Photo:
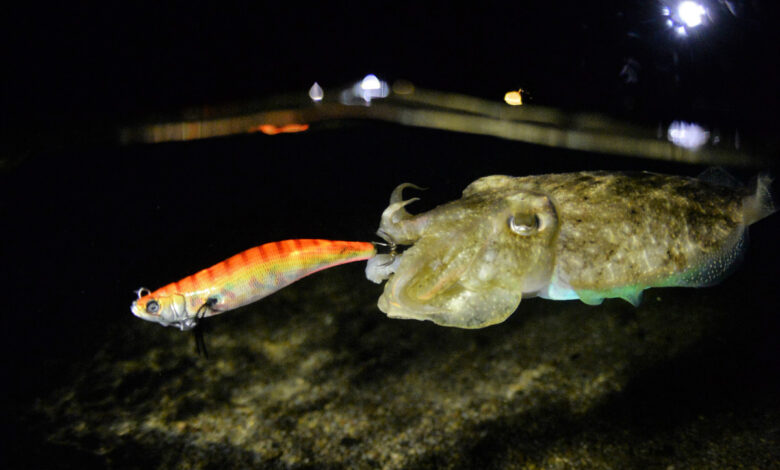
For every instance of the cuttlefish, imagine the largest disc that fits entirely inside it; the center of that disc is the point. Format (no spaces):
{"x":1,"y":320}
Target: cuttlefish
{"x":587,"y":236}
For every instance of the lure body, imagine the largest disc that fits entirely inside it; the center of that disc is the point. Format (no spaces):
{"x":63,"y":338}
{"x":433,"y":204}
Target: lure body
{"x":244,"y":278}
{"x":586,"y":236}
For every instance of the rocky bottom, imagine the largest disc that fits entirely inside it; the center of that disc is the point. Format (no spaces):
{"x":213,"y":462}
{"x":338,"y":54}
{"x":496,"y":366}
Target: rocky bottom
{"x":315,"y":376}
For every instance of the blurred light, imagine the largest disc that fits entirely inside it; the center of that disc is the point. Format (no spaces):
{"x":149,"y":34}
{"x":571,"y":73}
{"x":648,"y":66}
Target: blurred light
{"x":271,"y":129}
{"x":370,"y":82}
{"x":371,"y":87}
{"x":691,"y":13}
{"x":364,"y":91}
{"x":684,"y":16}
{"x":316,"y":93}
{"x":687,"y":134}
{"x":514,"y":98}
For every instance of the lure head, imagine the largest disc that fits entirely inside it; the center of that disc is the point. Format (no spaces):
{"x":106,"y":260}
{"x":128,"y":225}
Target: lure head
{"x":162,"y":308}
{"x":471,"y":260}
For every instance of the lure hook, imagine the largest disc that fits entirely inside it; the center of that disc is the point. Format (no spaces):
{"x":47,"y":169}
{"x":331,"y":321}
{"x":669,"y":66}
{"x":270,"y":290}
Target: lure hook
{"x":197,"y":326}
{"x":390,"y":243}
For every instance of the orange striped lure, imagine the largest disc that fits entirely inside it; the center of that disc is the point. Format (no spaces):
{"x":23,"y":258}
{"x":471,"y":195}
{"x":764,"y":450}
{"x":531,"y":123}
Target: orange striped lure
{"x":242,"y":279}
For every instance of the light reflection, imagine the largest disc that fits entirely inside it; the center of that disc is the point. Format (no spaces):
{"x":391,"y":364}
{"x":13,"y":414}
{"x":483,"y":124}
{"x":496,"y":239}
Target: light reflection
{"x":369,"y":88}
{"x":459,"y":113}
{"x":271,"y":129}
{"x":316,"y":93}
{"x":514,"y":98}
{"x":687,"y":134}
{"x":691,"y":13}
{"x":370,"y":82}
{"x":684,"y":16}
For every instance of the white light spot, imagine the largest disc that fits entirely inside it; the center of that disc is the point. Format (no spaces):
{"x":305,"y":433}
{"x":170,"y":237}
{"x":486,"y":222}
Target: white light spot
{"x":316,"y":93}
{"x":691,"y":13}
{"x":370,"y":82}
{"x":687,"y":135}
{"x":686,"y":15}
{"x":364,"y":91}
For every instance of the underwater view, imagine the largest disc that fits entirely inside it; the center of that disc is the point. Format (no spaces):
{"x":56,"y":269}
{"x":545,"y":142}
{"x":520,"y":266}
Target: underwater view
{"x":397,"y":237}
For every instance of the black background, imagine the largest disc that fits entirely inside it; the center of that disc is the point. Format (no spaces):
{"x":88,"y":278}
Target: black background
{"x":102,"y":61}
{"x":85,"y":221}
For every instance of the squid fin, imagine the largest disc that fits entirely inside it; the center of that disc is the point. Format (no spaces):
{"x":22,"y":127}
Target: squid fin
{"x":759,"y":203}
{"x":631,"y":294}
{"x":633,"y":297}
{"x":590,"y":297}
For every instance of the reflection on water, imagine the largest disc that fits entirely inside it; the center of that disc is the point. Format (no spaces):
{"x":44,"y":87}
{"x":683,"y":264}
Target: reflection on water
{"x":403,"y":103}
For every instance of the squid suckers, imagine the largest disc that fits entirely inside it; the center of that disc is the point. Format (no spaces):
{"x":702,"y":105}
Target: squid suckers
{"x":586,"y":236}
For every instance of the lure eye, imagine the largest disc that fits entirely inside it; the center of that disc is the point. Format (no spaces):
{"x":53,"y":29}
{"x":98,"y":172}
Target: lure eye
{"x":524,"y":224}
{"x":152,"y":306}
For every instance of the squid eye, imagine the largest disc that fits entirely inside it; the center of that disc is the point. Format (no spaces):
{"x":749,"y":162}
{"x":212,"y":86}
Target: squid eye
{"x":524,"y":224}
{"x":152,"y":306}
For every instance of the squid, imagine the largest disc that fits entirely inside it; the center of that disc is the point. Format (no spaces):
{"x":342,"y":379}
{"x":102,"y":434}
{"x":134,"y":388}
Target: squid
{"x":584,"y":236}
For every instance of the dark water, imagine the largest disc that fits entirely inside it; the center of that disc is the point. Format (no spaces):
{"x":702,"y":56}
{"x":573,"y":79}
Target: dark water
{"x":88,"y":235}
{"x":689,"y":378}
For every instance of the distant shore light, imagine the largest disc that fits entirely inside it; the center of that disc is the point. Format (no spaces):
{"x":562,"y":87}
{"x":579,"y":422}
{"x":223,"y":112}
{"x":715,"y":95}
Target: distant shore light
{"x":370,"y":82}
{"x":691,"y":13}
{"x":687,"y":134}
{"x":316,"y":93}
{"x":514,"y":98}
{"x":684,"y":16}
{"x":369,"y":88}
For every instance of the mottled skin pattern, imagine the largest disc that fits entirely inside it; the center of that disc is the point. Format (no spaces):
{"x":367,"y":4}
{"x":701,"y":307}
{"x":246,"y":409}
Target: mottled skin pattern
{"x":587,"y":236}
{"x":638,"y":228}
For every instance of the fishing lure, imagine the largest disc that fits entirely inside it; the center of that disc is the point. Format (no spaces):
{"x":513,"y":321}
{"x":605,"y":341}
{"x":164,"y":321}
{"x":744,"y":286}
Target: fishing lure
{"x":242,"y":279}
